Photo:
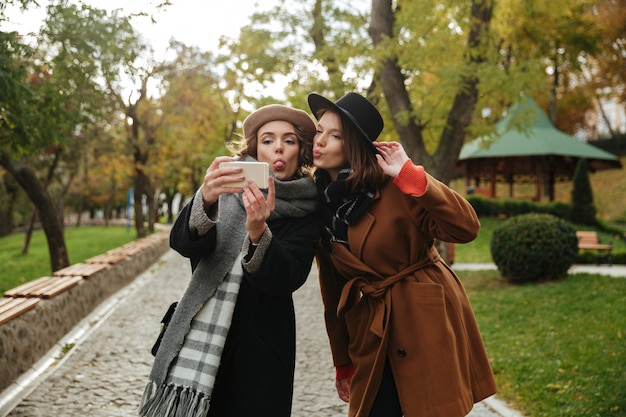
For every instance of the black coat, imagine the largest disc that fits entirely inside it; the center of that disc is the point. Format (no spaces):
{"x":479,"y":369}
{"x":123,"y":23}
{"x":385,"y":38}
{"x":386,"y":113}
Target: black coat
{"x":257,"y":367}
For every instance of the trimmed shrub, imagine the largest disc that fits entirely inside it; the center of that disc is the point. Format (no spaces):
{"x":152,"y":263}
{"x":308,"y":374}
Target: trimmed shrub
{"x":484,"y":207}
{"x":583,"y":209}
{"x":556,"y":208}
{"x":534,"y":247}
{"x":487,"y":207}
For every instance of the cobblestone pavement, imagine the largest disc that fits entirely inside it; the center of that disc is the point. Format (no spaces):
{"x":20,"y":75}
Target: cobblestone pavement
{"x":105,"y":371}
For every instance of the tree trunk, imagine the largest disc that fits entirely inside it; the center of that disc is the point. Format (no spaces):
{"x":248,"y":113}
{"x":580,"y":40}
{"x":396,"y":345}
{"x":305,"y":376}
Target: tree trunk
{"x":33,"y":216}
{"x":52,"y":226}
{"x":144,"y":192}
{"x":29,"y":232}
{"x":464,"y":104}
{"x":393,"y":84}
{"x":8,"y":194}
{"x":138,"y":206}
{"x":170,"y":209}
{"x":153,"y":208}
{"x":108,"y":208}
{"x":443,"y":163}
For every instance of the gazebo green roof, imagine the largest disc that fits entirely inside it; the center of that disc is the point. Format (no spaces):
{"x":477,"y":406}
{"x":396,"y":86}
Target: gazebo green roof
{"x":541,"y":139}
{"x":539,"y":153}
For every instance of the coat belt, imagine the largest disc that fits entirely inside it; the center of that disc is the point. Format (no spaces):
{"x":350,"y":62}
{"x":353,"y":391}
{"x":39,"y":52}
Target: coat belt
{"x":376,"y":291}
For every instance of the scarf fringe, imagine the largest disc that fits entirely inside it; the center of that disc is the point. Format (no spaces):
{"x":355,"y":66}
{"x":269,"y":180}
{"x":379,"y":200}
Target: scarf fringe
{"x":172,"y":401}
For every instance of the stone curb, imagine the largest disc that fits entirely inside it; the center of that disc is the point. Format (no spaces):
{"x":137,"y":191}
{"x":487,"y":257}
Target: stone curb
{"x":27,"y":338}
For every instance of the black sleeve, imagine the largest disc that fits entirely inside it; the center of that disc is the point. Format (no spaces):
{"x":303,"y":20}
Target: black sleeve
{"x":287,"y":262}
{"x":189,"y":244}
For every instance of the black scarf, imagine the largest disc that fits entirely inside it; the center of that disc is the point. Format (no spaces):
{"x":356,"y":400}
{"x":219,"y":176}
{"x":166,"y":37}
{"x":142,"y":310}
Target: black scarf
{"x":340,"y":207}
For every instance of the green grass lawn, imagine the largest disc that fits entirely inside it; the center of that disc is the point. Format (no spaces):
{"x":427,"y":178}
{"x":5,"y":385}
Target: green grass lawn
{"x":478,"y":249}
{"x":82,"y":243}
{"x":557,"y":349}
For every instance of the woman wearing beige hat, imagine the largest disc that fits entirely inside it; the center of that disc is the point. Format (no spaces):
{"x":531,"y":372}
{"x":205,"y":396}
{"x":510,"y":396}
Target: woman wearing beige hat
{"x":229,"y":348}
{"x":403,"y":337}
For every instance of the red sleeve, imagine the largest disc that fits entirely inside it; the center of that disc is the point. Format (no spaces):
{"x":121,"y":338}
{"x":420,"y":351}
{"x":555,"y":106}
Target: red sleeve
{"x":344,"y":372}
{"x":411,"y":179}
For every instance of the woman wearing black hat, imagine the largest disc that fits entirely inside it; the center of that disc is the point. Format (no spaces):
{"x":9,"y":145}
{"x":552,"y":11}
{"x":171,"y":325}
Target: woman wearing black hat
{"x":229,"y":349}
{"x":403,"y":337}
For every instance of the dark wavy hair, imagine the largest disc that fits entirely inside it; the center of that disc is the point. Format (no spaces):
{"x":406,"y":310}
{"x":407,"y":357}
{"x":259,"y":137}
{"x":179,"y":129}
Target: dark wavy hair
{"x":366,"y":173}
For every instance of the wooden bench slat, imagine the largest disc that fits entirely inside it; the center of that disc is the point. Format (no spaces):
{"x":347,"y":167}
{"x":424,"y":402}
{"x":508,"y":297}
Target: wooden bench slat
{"x":27,"y":287}
{"x":4,"y":301}
{"x":82,"y":269}
{"x":131,"y":249}
{"x":56,"y":286}
{"x":588,"y":240}
{"x":45,"y":287}
{"x":15,"y":307}
{"x":594,"y":246}
{"x":106,"y":258}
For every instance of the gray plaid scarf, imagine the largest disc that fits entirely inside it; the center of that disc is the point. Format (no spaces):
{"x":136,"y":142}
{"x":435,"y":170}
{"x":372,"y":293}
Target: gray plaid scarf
{"x":189,"y":383}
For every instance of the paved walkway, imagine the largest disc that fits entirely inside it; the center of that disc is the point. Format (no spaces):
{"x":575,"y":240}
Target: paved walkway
{"x":104,"y":373}
{"x":618,"y":271}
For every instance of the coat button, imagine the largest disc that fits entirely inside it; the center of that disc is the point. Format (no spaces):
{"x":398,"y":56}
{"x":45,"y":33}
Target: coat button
{"x":401,"y":353}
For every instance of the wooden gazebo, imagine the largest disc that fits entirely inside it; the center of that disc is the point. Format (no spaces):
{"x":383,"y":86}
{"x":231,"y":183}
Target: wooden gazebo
{"x":541,"y":154}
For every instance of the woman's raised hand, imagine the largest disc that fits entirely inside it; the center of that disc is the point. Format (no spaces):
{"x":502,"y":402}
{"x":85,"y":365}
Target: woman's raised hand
{"x":391,"y":157}
{"x":258,"y":208}
{"x":215,"y":177}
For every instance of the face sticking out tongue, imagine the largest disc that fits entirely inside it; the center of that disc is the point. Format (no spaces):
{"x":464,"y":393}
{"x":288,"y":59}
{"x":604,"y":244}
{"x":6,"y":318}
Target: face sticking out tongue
{"x":279,"y":165}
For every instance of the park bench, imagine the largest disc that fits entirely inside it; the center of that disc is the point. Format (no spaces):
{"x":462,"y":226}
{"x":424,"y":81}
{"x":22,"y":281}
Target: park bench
{"x":44,"y":287}
{"x":13,"y":307}
{"x":23,"y":298}
{"x":84,"y":270}
{"x":20,"y":299}
{"x":588,"y":240}
{"x":132,"y":248}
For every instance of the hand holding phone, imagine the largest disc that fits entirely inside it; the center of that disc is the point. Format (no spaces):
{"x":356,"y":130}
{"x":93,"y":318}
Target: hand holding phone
{"x":255,"y":171}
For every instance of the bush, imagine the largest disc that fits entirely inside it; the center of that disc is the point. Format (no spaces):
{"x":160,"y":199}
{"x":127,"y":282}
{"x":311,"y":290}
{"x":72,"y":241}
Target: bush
{"x":583,"y":209}
{"x":534,"y":247}
{"x":556,"y":208}
{"x":488,"y":207}
{"x":484,"y":207}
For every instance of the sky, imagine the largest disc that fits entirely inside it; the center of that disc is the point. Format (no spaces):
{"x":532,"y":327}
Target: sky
{"x":194,"y":22}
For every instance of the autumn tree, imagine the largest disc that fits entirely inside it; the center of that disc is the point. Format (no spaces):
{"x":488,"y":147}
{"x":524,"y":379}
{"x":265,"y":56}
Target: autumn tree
{"x":605,"y":72}
{"x":33,"y":124}
{"x":57,"y":94}
{"x":104,"y":177}
{"x":198,"y":122}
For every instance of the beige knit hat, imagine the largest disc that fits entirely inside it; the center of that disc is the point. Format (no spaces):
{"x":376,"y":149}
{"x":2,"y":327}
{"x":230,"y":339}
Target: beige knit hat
{"x":272,"y":112}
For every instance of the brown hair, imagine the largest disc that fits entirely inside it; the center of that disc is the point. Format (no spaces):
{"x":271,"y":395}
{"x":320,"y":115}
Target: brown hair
{"x":361,"y":157}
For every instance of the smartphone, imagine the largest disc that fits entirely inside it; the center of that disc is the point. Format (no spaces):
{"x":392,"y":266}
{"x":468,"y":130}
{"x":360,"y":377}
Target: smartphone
{"x":255,"y":171}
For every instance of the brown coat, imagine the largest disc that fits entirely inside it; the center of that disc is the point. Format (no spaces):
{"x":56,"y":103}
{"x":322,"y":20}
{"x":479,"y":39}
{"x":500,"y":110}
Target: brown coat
{"x":391,"y":297}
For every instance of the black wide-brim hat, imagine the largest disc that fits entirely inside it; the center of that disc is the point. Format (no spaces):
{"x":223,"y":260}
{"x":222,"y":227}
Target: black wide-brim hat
{"x":361,"y":112}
